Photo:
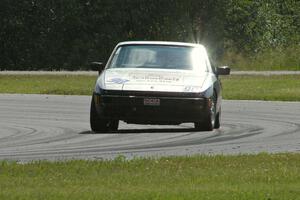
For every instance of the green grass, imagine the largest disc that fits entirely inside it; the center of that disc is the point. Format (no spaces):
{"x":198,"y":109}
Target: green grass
{"x":272,"y":88}
{"x":47,"y":84}
{"x":284,"y":88}
{"x":244,"y":177}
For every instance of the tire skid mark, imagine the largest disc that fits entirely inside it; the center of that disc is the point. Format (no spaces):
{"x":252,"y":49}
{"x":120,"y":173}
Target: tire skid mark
{"x":45,"y":130}
{"x":113,"y":148}
{"x":290,"y":127}
{"x":20,"y":132}
{"x":47,"y":140}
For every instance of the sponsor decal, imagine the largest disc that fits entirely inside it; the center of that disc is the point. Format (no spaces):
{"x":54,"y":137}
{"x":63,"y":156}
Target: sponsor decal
{"x":155,"y":78}
{"x":118,"y":80}
{"x":192,"y":89}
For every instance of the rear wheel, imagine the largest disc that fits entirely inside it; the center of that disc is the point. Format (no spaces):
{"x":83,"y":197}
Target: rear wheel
{"x":99,"y":124}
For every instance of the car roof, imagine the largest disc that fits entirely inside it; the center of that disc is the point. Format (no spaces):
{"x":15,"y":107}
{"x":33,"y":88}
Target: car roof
{"x":160,"y":43}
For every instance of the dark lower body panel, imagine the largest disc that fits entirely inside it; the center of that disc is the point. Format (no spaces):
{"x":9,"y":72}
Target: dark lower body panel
{"x":171,"y":110}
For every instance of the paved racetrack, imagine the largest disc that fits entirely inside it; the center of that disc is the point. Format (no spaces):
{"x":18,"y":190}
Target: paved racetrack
{"x":38,"y":127}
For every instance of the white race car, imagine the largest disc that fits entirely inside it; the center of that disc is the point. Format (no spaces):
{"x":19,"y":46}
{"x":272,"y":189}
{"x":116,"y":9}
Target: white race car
{"x":157,"y":83}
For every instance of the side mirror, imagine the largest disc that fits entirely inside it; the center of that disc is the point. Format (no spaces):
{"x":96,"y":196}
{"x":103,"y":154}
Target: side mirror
{"x":223,"y":70}
{"x":97,"y":66}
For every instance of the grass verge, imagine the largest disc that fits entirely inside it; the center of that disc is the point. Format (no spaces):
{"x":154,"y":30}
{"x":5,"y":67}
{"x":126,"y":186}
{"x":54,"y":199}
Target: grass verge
{"x":47,"y":84}
{"x":271,"y":88}
{"x":262,"y":176}
{"x":283,"y":88}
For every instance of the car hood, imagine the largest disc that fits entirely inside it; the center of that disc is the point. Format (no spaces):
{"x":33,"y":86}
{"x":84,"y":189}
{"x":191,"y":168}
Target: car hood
{"x":153,"y":80}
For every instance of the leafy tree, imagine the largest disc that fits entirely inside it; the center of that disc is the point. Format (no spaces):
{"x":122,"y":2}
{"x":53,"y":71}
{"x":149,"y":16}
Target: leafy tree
{"x":53,"y":34}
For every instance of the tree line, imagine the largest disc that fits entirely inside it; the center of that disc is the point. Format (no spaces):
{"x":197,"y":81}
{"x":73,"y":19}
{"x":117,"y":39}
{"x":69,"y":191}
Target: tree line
{"x":54,"y":34}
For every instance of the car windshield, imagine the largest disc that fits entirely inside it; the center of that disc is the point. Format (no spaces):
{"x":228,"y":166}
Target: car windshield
{"x":159,"y":56}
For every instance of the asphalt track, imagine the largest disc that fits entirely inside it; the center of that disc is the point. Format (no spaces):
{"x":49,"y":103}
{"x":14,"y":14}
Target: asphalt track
{"x":50,"y":127}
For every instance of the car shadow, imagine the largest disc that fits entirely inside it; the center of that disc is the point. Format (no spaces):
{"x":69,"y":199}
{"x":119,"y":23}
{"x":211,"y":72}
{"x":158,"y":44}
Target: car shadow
{"x":159,"y":130}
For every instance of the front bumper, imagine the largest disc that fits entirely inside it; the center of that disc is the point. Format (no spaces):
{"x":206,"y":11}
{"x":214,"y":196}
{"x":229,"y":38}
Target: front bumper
{"x":172,"y":109}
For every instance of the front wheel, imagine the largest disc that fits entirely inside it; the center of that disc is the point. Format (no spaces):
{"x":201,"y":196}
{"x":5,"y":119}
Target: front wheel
{"x":217,"y":120}
{"x":99,"y":124}
{"x":203,"y":126}
{"x":211,"y":121}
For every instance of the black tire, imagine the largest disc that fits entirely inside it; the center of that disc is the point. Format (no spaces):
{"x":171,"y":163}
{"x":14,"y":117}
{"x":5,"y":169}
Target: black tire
{"x":203,"y":126}
{"x":113,"y":125}
{"x":211,"y":120}
{"x":101,"y":125}
{"x":217,"y":120}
